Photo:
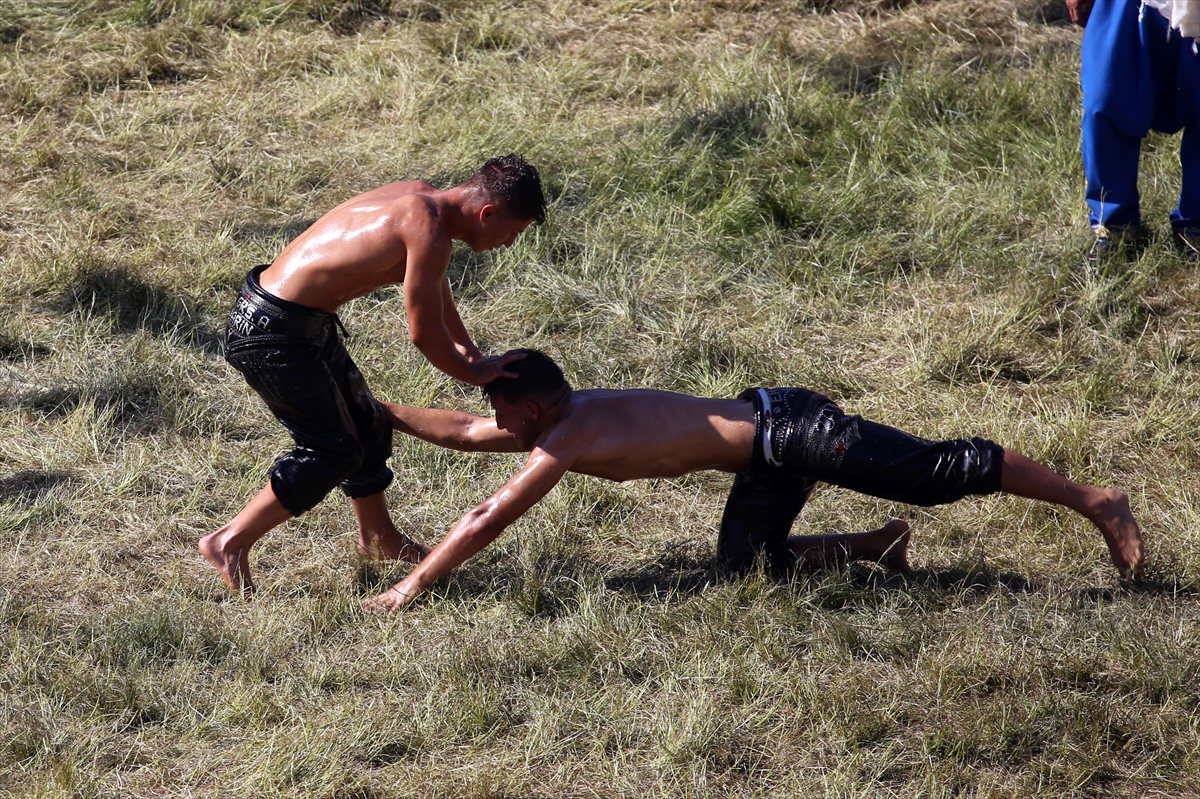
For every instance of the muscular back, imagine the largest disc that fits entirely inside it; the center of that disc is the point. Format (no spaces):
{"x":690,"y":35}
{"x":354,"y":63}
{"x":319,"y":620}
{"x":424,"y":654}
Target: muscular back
{"x":637,"y":434}
{"x":359,"y":246}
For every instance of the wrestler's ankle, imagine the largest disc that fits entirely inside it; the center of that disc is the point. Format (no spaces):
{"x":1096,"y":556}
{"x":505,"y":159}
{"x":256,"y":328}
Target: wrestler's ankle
{"x":1103,"y":502}
{"x":377,"y":533}
{"x":210,"y":545}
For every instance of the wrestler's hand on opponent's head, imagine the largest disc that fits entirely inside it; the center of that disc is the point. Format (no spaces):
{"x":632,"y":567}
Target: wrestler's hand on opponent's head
{"x":491,"y":368}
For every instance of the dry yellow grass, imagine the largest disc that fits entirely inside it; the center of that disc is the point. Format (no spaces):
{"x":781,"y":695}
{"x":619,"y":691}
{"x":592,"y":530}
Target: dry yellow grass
{"x":880,"y":200}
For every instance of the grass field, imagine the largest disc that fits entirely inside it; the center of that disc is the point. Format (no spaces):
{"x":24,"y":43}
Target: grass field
{"x":881,"y":200}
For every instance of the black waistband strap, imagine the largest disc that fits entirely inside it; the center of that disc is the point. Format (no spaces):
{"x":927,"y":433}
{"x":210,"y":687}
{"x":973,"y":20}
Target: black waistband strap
{"x":263,"y":311}
{"x":337,"y":320}
{"x":755,"y":397}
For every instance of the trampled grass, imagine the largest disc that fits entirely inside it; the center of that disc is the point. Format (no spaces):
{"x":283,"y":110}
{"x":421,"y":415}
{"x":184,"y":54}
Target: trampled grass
{"x":879,"y":200}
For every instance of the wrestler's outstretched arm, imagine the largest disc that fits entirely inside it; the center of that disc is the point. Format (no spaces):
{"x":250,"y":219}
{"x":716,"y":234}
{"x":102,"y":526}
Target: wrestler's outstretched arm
{"x":451,"y":429}
{"x":477,"y":529}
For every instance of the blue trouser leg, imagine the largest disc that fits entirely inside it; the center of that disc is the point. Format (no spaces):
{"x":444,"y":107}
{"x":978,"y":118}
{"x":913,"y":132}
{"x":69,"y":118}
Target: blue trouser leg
{"x":1110,"y":162}
{"x":1187,"y":110}
{"x":1187,"y":215}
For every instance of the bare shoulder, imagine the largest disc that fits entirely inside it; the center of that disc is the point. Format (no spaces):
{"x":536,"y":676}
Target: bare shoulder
{"x":415,"y":207}
{"x":569,"y":437}
{"x":578,"y":431}
{"x":412,"y":187}
{"x":400,"y":188}
{"x":417,"y":219}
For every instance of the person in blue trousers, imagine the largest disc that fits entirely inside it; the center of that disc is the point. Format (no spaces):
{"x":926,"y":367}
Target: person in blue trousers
{"x":1138,"y":74}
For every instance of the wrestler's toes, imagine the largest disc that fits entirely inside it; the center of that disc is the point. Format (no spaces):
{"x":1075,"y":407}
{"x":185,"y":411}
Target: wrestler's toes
{"x":1136,"y":567}
{"x":377,"y":606}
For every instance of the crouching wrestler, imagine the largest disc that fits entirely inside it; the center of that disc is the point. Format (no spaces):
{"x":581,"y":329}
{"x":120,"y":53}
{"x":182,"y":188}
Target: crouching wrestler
{"x":778,"y":442}
{"x":285,"y":338}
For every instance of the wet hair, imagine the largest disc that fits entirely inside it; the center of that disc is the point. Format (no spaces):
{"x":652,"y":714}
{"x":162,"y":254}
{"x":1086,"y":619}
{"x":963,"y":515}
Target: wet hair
{"x":537,"y":375}
{"x":515,"y":184}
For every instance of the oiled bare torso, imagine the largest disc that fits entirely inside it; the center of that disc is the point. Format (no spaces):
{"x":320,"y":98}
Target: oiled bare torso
{"x":638,"y":434}
{"x":357,"y":247}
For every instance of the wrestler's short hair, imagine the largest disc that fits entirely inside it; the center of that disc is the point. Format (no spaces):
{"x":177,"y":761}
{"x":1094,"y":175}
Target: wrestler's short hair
{"x":537,"y":375}
{"x":515,"y":183}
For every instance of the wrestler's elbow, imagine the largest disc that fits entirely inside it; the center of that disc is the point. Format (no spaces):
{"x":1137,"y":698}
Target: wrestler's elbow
{"x":480,"y":527}
{"x":426,"y":329}
{"x":452,"y":432}
{"x":478,"y":435}
{"x":401,"y":419}
{"x":420,"y":339}
{"x":464,"y":443}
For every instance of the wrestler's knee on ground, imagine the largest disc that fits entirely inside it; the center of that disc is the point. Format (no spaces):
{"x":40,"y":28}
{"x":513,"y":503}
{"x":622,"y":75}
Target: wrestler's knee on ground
{"x":758,"y":517}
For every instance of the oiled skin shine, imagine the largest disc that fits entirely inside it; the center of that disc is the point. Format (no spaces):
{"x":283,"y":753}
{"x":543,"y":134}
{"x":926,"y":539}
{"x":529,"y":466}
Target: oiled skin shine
{"x":641,"y":434}
{"x":613,"y":434}
{"x":357,"y":247}
{"x":635,"y":434}
{"x":403,"y":232}
{"x":399,"y":233}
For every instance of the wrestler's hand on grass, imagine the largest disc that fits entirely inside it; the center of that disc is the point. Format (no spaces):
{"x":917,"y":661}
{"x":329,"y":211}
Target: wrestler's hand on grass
{"x":489,"y":369}
{"x":387,"y":603}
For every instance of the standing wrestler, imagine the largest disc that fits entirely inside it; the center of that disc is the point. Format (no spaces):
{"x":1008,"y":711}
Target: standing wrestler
{"x":283,"y":337}
{"x":780,"y":442}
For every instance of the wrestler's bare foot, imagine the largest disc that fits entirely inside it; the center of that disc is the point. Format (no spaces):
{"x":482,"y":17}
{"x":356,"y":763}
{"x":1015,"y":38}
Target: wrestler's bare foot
{"x":887,"y":546}
{"x":378,"y":538}
{"x":390,"y":545}
{"x":1110,"y":512}
{"x":893,"y":542}
{"x":233,"y":566}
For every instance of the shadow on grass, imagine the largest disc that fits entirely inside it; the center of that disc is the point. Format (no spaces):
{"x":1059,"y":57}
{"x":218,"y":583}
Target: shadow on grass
{"x":857,"y":76}
{"x":30,"y":486}
{"x":728,"y":129}
{"x":681,"y":572}
{"x":978,"y":364}
{"x":14,"y":349}
{"x":1051,"y":12}
{"x":130,"y":304}
{"x":970,"y":581}
{"x":389,"y":754}
{"x":552,"y":587}
{"x":139,"y":401}
{"x":471,"y":580}
{"x":1165,"y":586}
{"x":678,"y":571}
{"x":688,"y":572}
{"x":978,"y":583}
{"x":685,"y":572}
